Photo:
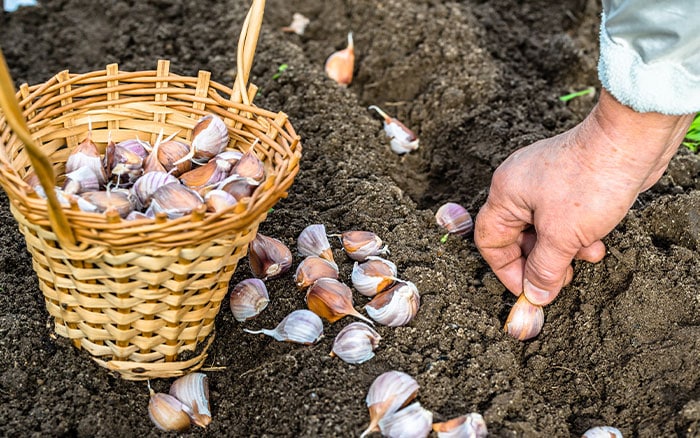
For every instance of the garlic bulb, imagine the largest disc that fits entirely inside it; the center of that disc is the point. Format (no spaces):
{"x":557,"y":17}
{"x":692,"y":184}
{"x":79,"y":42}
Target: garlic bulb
{"x":356,"y":343}
{"x":167,"y":412}
{"x":339,"y":66}
{"x":248,"y":298}
{"x":525,"y":319}
{"x":312,"y":268}
{"x":331,"y":300}
{"x":396,"y":306}
{"x":193,"y":391}
{"x":373,"y":276}
{"x":413,"y":421}
{"x":454,"y":218}
{"x":387,"y":394}
{"x":268,"y":257}
{"x":301,"y":326}
{"x":602,"y":432}
{"x":361,"y":244}
{"x":313,"y":241}
{"x":465,"y":426}
{"x":403,"y":140}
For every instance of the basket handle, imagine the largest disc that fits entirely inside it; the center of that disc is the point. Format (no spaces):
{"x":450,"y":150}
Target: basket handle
{"x":41,"y":164}
{"x":247,"y":43}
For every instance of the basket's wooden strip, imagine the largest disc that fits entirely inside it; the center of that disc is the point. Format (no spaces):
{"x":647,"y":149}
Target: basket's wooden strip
{"x":112,"y":94}
{"x":66,"y":100}
{"x":159,"y":117}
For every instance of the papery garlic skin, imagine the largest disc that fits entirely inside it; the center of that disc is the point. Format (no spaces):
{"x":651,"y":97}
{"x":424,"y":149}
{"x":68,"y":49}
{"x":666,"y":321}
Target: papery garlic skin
{"x":301,"y":326}
{"x":362,"y":244}
{"x":312,"y":268}
{"x":356,"y":343}
{"x":248,"y":298}
{"x":168,"y":413}
{"x":193,"y":391}
{"x":413,"y":421}
{"x":340,"y":65}
{"x":465,"y":426}
{"x":525,"y":319}
{"x":81,"y":180}
{"x":602,"y":432}
{"x":454,"y":218}
{"x":313,"y":241}
{"x":373,"y":276}
{"x":387,"y":394}
{"x":268,"y":257}
{"x":396,"y":306}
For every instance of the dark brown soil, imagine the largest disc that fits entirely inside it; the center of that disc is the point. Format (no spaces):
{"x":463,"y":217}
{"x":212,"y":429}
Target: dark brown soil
{"x":476,"y":80}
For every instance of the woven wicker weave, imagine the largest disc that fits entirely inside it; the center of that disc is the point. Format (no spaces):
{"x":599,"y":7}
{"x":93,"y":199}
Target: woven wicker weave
{"x":140,"y":296}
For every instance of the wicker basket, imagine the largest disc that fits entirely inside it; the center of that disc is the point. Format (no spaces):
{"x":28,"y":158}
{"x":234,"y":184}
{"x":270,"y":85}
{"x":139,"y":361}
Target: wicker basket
{"x":140,"y":296}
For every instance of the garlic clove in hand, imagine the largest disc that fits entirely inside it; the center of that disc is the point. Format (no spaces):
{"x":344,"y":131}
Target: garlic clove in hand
{"x":248,"y":298}
{"x":268,"y":257}
{"x":331,"y":300}
{"x":403,"y":140}
{"x":373,"y":276}
{"x":340,"y":65}
{"x":361,"y":244}
{"x":525,"y":319}
{"x":413,"y":421}
{"x":193,"y":391}
{"x":356,"y":343}
{"x":312,"y":268}
{"x":465,"y":426}
{"x":387,"y":394}
{"x":396,"y":306}
{"x":301,"y":326}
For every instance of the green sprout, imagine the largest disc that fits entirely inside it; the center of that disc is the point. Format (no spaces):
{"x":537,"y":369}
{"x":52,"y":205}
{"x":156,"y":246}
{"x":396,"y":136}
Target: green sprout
{"x":692,"y":137}
{"x":280,"y":70}
{"x":443,"y":239}
{"x":568,"y":97}
{"x":270,"y":210}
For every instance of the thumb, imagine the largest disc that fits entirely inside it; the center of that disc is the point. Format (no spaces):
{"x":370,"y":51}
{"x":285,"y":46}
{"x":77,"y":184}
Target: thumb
{"x":545,"y":272}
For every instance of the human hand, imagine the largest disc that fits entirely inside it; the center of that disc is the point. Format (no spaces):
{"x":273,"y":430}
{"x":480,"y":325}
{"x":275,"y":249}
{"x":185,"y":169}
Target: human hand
{"x":555,"y":200}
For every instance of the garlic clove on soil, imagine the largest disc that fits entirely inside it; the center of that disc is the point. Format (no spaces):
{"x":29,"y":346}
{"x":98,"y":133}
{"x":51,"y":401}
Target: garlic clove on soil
{"x":193,"y":391}
{"x":361,"y":244}
{"x":340,"y":65}
{"x":387,"y":394}
{"x":313,"y":241}
{"x":268,"y":257}
{"x":356,"y":343}
{"x":465,"y":426}
{"x":454,"y":218}
{"x":248,"y":298}
{"x":332,"y":300}
{"x":301,"y":326}
{"x":396,"y":306}
{"x":168,"y":413}
{"x":312,"y":268}
{"x":373,"y":276}
{"x":602,"y":432}
{"x":413,"y":421}
{"x":402,"y":139}
{"x":525,"y":320}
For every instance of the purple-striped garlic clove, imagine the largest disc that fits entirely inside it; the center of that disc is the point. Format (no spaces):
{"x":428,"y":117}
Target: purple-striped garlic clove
{"x":312,"y":268}
{"x":250,"y":166}
{"x":362,"y":244}
{"x":219,"y":200}
{"x":387,"y":394}
{"x":118,"y":200}
{"x":396,"y":306}
{"x":465,"y":426}
{"x":301,"y":326}
{"x":168,"y":413}
{"x":209,"y":138}
{"x":454,"y":218}
{"x":138,"y":147}
{"x":81,"y":180}
{"x":268,"y":257}
{"x":209,"y":174}
{"x":373,"y":276}
{"x":412,"y":421}
{"x":403,"y":140}
{"x":238,"y":186}
{"x":356,"y":343}
{"x":332,"y":300}
{"x":248,"y":299}
{"x":313,"y":241}
{"x":340,"y":65}
{"x":525,"y":320}
{"x":86,"y":154}
{"x":175,"y":200}
{"x":193,"y":391}
{"x":602,"y":432}
{"x":144,"y":187}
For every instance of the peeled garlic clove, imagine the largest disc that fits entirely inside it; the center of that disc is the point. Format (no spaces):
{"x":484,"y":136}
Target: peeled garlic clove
{"x":403,"y":140}
{"x":211,"y":173}
{"x":268,"y":257}
{"x":525,"y":319}
{"x":332,"y":300}
{"x":168,"y":413}
{"x":83,"y":179}
{"x":301,"y":326}
{"x":361,"y":244}
{"x":387,"y":394}
{"x":193,"y":391}
{"x":209,"y":138}
{"x":339,"y":65}
{"x":219,"y":200}
{"x":465,"y":426}
{"x":312,"y":268}
{"x":396,"y":306}
{"x":413,"y":421}
{"x":116,"y":199}
{"x":602,"y":432}
{"x":454,"y":218}
{"x":298,"y":24}
{"x":86,"y":154}
{"x":175,"y":200}
{"x":356,"y":343}
{"x":373,"y":276}
{"x":144,"y":187}
{"x":250,"y":166}
{"x":313,"y":241}
{"x":248,"y":299}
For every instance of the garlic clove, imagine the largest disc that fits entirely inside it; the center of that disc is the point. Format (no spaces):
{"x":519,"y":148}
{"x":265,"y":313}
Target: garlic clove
{"x":209,"y":138}
{"x":361,"y":244}
{"x":116,"y":199}
{"x":136,"y":215}
{"x":312,"y":268}
{"x":301,"y":326}
{"x":125,"y":166}
{"x":525,"y":319}
{"x":413,"y":421}
{"x":373,"y":276}
{"x":136,"y":146}
{"x":219,"y":200}
{"x":170,"y":153}
{"x":396,"y":306}
{"x":339,"y":66}
{"x":298,"y":24}
{"x":356,"y":343}
{"x":168,"y":413}
{"x":193,"y":391}
{"x":268,"y":257}
{"x":387,"y":394}
{"x":465,"y":426}
{"x":454,"y":218}
{"x":238,"y":186}
{"x":175,"y":200}
{"x":232,"y":156}
{"x":403,"y":140}
{"x":86,"y":154}
{"x":83,"y":179}
{"x":332,"y":300}
{"x":602,"y":432}
{"x":250,"y":166}
{"x":313,"y":241}
{"x":248,"y":299}
{"x":144,"y":187}
{"x":210,"y":173}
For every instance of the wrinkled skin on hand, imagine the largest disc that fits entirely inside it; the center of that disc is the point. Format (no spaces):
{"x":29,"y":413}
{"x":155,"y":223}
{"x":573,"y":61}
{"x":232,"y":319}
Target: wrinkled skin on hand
{"x":555,"y":200}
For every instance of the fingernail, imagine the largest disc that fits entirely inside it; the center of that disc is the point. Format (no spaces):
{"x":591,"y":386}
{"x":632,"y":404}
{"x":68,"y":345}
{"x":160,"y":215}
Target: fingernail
{"x":536,"y":295}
